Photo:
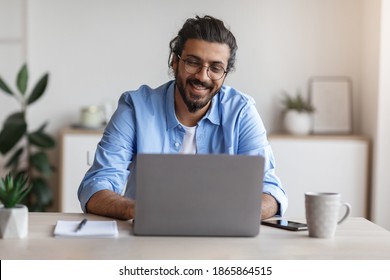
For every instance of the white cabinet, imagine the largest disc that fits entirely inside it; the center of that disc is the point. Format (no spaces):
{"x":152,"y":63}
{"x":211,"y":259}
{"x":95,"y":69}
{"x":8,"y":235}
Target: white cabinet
{"x":78,"y":150}
{"x":323,"y":164}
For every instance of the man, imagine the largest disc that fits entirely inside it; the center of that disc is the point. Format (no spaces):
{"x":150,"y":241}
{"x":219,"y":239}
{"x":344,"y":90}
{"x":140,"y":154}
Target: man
{"x":195,"y":113}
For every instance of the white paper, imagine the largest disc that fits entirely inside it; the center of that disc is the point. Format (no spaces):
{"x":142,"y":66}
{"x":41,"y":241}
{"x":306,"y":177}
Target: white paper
{"x":90,"y":229}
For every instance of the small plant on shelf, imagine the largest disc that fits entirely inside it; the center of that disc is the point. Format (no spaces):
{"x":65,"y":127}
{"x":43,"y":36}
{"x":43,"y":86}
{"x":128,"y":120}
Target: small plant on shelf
{"x":297,"y":117}
{"x":297,"y":103}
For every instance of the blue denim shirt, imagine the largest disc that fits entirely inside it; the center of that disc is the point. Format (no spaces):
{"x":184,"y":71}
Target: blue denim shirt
{"x":145,"y":122}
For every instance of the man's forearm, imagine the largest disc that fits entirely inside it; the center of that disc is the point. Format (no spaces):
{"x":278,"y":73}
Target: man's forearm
{"x":269,"y":206}
{"x":108,"y":203}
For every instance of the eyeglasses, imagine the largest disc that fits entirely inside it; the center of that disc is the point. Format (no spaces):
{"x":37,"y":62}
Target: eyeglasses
{"x":193,"y":66}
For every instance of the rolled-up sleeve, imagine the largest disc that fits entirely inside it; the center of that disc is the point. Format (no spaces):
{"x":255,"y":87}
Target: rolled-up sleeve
{"x":253,"y":141}
{"x":114,"y":154}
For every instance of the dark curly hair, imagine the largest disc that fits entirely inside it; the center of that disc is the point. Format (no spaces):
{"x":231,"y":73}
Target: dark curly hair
{"x":205,"y":28}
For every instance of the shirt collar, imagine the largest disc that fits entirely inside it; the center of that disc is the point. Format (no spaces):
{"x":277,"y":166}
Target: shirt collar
{"x":213,"y":113}
{"x":172,"y":121}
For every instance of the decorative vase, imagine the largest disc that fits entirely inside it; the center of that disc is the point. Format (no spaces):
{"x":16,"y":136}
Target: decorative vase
{"x":14,"y":222}
{"x":296,"y":122}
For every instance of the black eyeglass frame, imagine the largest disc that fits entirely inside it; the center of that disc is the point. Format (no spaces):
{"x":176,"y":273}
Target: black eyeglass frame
{"x":200,"y":69}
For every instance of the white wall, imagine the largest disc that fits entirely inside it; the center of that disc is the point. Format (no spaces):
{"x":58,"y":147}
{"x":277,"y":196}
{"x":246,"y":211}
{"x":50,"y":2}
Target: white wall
{"x":366,"y":117}
{"x":12,"y":47}
{"x":12,"y":52}
{"x":96,"y":49}
{"x":381,"y":207}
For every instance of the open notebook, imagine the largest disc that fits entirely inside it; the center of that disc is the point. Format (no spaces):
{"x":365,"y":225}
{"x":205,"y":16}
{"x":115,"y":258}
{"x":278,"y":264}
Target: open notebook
{"x":90,"y":229}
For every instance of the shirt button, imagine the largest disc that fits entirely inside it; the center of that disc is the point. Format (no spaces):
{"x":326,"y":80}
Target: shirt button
{"x":177,"y":144}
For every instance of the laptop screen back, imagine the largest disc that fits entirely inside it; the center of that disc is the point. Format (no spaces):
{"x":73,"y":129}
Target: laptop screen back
{"x":198,"y":195}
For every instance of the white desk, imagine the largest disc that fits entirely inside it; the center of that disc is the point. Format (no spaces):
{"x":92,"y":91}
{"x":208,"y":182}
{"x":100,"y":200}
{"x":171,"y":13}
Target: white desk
{"x":357,"y":238}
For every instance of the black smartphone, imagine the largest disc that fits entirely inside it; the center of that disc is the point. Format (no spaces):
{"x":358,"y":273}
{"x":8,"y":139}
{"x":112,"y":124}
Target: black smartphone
{"x":285,"y":224}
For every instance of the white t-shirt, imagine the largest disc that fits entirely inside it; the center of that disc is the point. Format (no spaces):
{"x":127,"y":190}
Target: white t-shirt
{"x":189,"y":140}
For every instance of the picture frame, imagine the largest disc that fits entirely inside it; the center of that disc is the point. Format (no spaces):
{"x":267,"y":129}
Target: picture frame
{"x":331,"y":98}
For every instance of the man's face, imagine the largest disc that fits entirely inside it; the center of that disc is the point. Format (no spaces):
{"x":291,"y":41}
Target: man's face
{"x":198,"y":89}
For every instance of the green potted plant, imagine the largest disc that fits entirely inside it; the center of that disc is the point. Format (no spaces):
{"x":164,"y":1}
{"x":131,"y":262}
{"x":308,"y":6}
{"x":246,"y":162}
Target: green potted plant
{"x":26,"y":149}
{"x":297,"y":114}
{"x":13,"y":214}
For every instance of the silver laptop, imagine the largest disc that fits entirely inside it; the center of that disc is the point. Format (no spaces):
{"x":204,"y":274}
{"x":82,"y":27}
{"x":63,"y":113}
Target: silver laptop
{"x":198,"y":195}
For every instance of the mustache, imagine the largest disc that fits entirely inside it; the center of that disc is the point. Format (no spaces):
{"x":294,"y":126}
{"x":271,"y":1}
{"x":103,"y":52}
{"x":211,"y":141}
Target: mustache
{"x":196,"y":82}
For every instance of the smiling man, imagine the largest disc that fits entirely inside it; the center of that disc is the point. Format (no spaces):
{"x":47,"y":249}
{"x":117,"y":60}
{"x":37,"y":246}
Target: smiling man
{"x":195,"y":113}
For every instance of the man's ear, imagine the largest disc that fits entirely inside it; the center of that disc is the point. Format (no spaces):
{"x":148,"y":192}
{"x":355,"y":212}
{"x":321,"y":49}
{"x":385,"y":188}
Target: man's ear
{"x":174,"y":62}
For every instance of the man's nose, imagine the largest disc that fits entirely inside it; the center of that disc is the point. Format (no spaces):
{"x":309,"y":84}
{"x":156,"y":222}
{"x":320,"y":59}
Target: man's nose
{"x":202,"y":75}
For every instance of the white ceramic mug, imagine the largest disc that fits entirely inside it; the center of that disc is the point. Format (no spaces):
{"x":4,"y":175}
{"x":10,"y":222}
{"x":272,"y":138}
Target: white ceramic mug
{"x":322,"y":213}
{"x":91,"y":117}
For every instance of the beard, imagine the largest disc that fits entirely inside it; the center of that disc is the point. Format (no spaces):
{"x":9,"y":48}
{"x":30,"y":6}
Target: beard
{"x":195,"y":102}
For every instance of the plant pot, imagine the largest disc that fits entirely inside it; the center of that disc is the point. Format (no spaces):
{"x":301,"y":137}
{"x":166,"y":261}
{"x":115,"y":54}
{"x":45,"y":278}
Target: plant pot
{"x":296,"y":122}
{"x":14,"y":222}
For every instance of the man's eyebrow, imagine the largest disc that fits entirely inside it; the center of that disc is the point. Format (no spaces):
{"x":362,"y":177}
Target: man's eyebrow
{"x":211,"y":62}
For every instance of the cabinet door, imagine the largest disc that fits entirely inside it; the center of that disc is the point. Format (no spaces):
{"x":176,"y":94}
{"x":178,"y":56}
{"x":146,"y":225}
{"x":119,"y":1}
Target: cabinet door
{"x":322,"y":165}
{"x":77,"y":156}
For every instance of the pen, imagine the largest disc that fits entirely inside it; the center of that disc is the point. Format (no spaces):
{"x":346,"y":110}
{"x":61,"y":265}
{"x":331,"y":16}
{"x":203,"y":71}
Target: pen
{"x":81,"y":225}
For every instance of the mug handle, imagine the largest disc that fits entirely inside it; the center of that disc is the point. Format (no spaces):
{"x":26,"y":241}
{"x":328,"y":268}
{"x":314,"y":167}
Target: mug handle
{"x":347,"y":212}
